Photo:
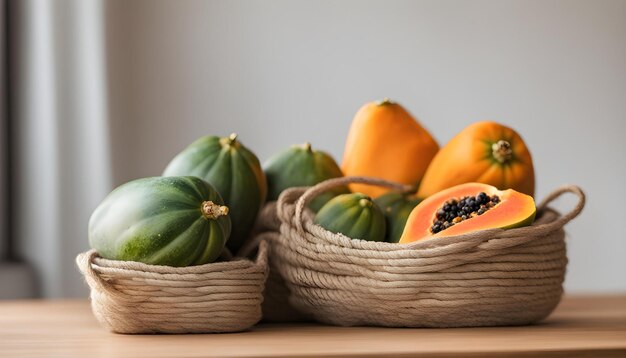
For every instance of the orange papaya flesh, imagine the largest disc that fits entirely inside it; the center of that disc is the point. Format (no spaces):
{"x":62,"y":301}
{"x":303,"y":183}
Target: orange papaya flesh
{"x":466,"y":208}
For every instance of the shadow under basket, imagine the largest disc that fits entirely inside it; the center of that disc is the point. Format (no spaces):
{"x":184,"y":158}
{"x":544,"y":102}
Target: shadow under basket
{"x":485,"y":278}
{"x":132,"y":297}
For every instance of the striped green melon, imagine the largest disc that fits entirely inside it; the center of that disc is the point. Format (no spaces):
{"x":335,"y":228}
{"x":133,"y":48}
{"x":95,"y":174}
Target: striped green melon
{"x":236,"y":174}
{"x":300,"y":165}
{"x":173,"y":221}
{"x":353,"y":215}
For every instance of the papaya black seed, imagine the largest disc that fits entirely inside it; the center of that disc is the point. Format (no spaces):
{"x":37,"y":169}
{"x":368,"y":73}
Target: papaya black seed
{"x":456,"y":210}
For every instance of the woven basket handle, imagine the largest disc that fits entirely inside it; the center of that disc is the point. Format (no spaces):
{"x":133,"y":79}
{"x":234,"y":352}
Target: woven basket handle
{"x":326,"y":185}
{"x":545,"y":229}
{"x":250,"y":245}
{"x":262,"y":252}
{"x":84,"y":262}
{"x":567,"y":217}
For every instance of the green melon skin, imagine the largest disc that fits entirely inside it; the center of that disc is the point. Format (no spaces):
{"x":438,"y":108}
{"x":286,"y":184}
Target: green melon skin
{"x":236,"y":174}
{"x":159,"y":221}
{"x":300,"y":165}
{"x":354,"y":215}
{"x":397,"y":208}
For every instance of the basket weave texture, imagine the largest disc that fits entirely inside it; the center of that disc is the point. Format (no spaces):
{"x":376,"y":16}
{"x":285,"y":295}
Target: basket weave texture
{"x":485,"y":278}
{"x":276,"y":305}
{"x":132,"y":297}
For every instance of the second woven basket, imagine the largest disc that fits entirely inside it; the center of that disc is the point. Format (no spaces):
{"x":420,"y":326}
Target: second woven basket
{"x":485,"y":278}
{"x":132,"y":297}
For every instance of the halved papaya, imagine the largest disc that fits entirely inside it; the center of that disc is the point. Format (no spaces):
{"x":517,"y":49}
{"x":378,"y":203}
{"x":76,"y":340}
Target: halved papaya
{"x":468,"y":207}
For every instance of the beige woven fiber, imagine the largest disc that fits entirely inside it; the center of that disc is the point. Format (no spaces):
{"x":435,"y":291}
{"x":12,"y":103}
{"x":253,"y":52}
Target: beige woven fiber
{"x":276,"y":306}
{"x":132,"y":297}
{"x":485,"y":278}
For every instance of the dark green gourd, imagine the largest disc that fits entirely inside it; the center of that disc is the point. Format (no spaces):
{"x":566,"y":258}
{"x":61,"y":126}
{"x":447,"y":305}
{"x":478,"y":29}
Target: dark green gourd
{"x":236,"y":174}
{"x":353,"y":215}
{"x":300,"y":165}
{"x":397,"y":207}
{"x":173,"y":221}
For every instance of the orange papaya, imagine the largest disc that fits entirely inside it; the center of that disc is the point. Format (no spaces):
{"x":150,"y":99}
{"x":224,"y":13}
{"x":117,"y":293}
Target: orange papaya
{"x":466,"y":208}
{"x":484,"y":152}
{"x":386,"y":142}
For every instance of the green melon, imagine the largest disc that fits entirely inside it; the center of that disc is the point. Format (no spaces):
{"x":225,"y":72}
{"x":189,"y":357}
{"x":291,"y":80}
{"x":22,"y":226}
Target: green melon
{"x":236,"y":174}
{"x":173,"y":221}
{"x":300,"y":165}
{"x":353,"y":215}
{"x":397,"y":208}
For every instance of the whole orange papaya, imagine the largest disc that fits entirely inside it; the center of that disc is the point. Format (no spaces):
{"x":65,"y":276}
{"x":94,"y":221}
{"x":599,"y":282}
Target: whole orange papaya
{"x":484,"y":152}
{"x":386,"y":142}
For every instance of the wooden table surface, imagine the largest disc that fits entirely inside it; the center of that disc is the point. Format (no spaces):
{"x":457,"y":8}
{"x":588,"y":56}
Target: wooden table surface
{"x":592,"y":326}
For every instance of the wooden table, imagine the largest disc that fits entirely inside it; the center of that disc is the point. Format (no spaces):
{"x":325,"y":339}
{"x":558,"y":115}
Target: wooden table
{"x":581,"y":326}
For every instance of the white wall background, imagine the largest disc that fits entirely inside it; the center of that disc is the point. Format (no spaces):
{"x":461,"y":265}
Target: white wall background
{"x":285,"y":72}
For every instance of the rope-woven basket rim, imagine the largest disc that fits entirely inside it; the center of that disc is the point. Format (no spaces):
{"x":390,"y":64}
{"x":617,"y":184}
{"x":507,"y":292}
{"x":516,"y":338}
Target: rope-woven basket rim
{"x":301,"y":219}
{"x":235,"y":263}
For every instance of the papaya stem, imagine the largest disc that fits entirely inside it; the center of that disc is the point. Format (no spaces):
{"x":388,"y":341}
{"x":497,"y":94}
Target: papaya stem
{"x":384,"y":102}
{"x":307,"y":146}
{"x":502,"y":151}
{"x":210,"y":210}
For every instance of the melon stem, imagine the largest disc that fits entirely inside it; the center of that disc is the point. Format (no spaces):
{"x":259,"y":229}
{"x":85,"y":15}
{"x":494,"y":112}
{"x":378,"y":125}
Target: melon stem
{"x":230,"y":141}
{"x":210,"y":210}
{"x":307,"y":146}
{"x":502,"y":151}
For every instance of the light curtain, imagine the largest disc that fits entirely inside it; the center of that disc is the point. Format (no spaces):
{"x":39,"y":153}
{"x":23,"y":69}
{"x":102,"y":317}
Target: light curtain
{"x":60,"y":134}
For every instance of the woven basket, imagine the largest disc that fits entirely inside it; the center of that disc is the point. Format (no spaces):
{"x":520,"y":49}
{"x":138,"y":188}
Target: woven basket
{"x":276,"y":306}
{"x":132,"y":297}
{"x":486,"y":278}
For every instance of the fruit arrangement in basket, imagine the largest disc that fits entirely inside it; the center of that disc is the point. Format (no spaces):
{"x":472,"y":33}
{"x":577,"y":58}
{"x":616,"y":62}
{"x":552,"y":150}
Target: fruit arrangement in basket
{"x":210,"y":193}
{"x":394,"y":187}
